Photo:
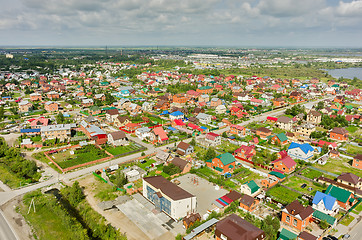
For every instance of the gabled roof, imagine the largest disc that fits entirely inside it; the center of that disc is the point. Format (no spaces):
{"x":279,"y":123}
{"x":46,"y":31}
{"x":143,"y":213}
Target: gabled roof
{"x":247,"y":200}
{"x":177,"y":113}
{"x":287,"y":235}
{"x":226,"y":158}
{"x":349,"y":177}
{"x":282,"y":137}
{"x":277,"y":174}
{"x":328,"y":200}
{"x":322,"y":216}
{"x":253,"y":186}
{"x":296,"y":208}
{"x":287,"y":161}
{"x":307,"y":236}
{"x":339,"y":193}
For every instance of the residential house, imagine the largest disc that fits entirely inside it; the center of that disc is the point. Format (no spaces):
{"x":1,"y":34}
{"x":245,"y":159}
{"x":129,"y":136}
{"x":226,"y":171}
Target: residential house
{"x":51,"y":106}
{"x":245,"y":152}
{"x":190,"y":220}
{"x":285,"y":164}
{"x":59,"y":131}
{"x":357,"y":161}
{"x":204,"y":118}
{"x":25,"y":106}
{"x":305,"y":129}
{"x":38,"y":122}
{"x":168,"y":197}
{"x":314,"y":117}
{"x":35,"y":97}
{"x":212,"y":139}
{"x":223,"y":202}
{"x":285,"y":123}
{"x":220,"y":109}
{"x":344,"y":198}
{"x":184,"y":148}
{"x":339,"y":134}
{"x":179,"y":99}
{"x":183,"y":165}
{"x":87,"y":102}
{"x":205,"y":90}
{"x":306,"y":236}
{"x":100,"y":97}
{"x":176,"y":115}
{"x":204,"y":98}
{"x":94,"y":110}
{"x":134,"y":109}
{"x":224,"y":163}
{"x":121,"y":121}
{"x":278,"y":102}
{"x":93,"y":132}
{"x":214,"y":102}
{"x":301,"y":151}
{"x":263,"y":132}
{"x":162,"y":105}
{"x":111,"y":115}
{"x":131,"y":127}
{"x":350,"y":179}
{"x":325,"y":203}
{"x":296,"y":215}
{"x":237,"y":130}
{"x":234,"y":227}
{"x":272,"y":179}
{"x":143,"y":133}
{"x":297,"y":96}
{"x":53,"y":95}
{"x":117,"y":138}
{"x":158,"y":135}
{"x":147,"y":106}
{"x":250,"y":188}
{"x":248,"y":203}
{"x":280,"y":139}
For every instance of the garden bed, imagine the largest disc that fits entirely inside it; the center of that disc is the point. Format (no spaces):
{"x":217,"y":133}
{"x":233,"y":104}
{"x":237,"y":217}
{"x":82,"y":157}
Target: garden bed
{"x":282,"y":195}
{"x":295,"y":182}
{"x":122,"y":149}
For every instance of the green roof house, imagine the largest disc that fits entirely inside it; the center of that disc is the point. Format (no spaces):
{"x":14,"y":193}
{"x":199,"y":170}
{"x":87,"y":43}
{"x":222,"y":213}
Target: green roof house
{"x":249,"y":188}
{"x":343,"y":196}
{"x":287,"y":235}
{"x":224,"y":163}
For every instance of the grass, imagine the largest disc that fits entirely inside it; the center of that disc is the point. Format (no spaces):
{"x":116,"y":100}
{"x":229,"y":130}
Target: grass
{"x":56,"y":227}
{"x":282,"y":194}
{"x":347,"y":220}
{"x":10,"y":178}
{"x":358,"y":209}
{"x":311,"y":173}
{"x":352,"y":129}
{"x":296,"y":183}
{"x":339,"y":166}
{"x":103,"y":191}
{"x":146,"y":164}
{"x":226,"y":146}
{"x":121,"y":149}
{"x":351,"y":149}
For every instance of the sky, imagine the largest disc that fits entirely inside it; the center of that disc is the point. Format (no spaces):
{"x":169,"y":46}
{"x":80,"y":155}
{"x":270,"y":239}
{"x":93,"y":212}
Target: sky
{"x":239,"y":23}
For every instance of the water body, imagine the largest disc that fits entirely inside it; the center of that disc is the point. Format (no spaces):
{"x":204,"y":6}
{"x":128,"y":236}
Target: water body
{"x":346,"y":73}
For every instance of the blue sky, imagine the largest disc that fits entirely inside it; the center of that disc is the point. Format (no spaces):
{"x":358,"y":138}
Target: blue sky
{"x":242,"y":23}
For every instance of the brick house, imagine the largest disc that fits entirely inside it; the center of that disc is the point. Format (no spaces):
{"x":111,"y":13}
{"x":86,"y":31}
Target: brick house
{"x":350,"y":179}
{"x":121,"y":121}
{"x":190,"y":220}
{"x":205,"y":90}
{"x":179,"y":99}
{"x":339,"y":134}
{"x":184,"y":148}
{"x":212,"y":139}
{"x":278,"y":102}
{"x":285,"y":164}
{"x":237,"y":130}
{"x":222,"y":164}
{"x":296,"y":215}
{"x":111,"y":115}
{"x":215,"y":102}
{"x":245,"y":152}
{"x":250,"y":188}
{"x":35,"y":97}
{"x":284,"y":122}
{"x":183,"y":165}
{"x":280,"y":139}
{"x":263,"y":132}
{"x":25,"y":106}
{"x":344,"y":198}
{"x":272,"y":179}
{"x":314,"y":117}
{"x":53,"y":95}
{"x":248,"y":203}
{"x":51,"y":106}
{"x":357,"y":161}
{"x":117,"y":138}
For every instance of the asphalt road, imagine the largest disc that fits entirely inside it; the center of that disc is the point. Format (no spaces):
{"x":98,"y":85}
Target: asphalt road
{"x":5,"y":231}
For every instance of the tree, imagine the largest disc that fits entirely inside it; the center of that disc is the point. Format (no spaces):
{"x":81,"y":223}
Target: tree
{"x":224,"y":135}
{"x":323,"y":224}
{"x":60,"y":118}
{"x":74,"y":194}
{"x":171,"y":169}
{"x":120,"y":179}
{"x":210,"y":154}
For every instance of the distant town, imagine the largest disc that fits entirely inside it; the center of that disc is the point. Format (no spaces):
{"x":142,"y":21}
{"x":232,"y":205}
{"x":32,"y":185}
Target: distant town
{"x":180,"y":143}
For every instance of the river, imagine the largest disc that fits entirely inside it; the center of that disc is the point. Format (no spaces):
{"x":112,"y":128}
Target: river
{"x":346,"y":73}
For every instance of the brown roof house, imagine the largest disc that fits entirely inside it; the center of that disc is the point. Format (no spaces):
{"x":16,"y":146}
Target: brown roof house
{"x":121,"y":121}
{"x":184,"y":148}
{"x":117,"y":138}
{"x":234,"y":227}
{"x":168,"y":197}
{"x":248,"y":203}
{"x":314,"y":117}
{"x":350,"y":179}
{"x":339,"y":134}
{"x":191,"y":219}
{"x":296,"y":215}
{"x":357,"y":161}
{"x":284,"y":122}
{"x":263,"y":132}
{"x":183,"y":165}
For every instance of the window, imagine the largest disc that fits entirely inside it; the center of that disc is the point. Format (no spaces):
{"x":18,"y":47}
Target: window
{"x":287,"y":219}
{"x":295,"y":222}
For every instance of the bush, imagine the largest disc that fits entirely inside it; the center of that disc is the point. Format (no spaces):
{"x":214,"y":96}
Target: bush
{"x":171,"y":169}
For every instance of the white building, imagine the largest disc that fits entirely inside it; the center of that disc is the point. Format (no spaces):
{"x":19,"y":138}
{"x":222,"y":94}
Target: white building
{"x":168,"y":197}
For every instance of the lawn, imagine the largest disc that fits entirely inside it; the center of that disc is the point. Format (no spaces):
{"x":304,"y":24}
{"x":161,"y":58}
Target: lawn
{"x":347,"y":220}
{"x":282,"y":194}
{"x":83,"y":155}
{"x":358,"y":209}
{"x":352,"y":129}
{"x":147,"y":164}
{"x":353,"y":150}
{"x":103,"y":191}
{"x":121,"y":149}
{"x":339,"y":166}
{"x":296,"y":183}
{"x":246,"y":175}
{"x":10,"y":178}
{"x":311,"y":173}
{"x":226,"y":146}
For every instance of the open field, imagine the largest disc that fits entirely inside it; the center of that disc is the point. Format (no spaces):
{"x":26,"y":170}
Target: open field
{"x":10,"y":178}
{"x":121,"y":149}
{"x":296,"y":183}
{"x":339,"y":166}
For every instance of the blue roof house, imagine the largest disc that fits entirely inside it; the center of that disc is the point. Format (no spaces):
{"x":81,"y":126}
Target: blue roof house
{"x":176,"y":115}
{"x":301,"y":151}
{"x":325,"y":203}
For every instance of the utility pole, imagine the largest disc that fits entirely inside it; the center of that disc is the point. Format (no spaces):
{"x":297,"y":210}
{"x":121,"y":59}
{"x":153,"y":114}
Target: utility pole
{"x":31,"y":203}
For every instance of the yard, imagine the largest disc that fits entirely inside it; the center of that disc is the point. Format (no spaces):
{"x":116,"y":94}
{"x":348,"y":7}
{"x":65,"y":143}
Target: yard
{"x":226,"y":146}
{"x":310,"y":173}
{"x":296,"y":183}
{"x":347,"y":220}
{"x":147,"y":164}
{"x":122,"y":149}
{"x":282,"y":194}
{"x":339,"y":166}
{"x":353,"y":150}
{"x":83,"y":155}
{"x":246,"y":175}
{"x":10,"y":178}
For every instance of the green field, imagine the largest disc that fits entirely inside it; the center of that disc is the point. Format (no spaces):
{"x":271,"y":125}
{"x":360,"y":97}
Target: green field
{"x":121,"y":149}
{"x":351,"y":149}
{"x":10,"y":178}
{"x":347,"y":220}
{"x":282,"y":194}
{"x":339,"y":166}
{"x":311,"y":173}
{"x":296,"y":183}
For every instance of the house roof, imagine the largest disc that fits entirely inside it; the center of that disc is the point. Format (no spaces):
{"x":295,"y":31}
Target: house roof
{"x":263,"y":129}
{"x":236,"y":228}
{"x":282,"y":137}
{"x":296,"y":208}
{"x":287,"y":235}
{"x":339,"y":130}
{"x":176,"y":114}
{"x":179,"y":162}
{"x":358,"y":157}
{"x":168,"y":188}
{"x":349,"y":177}
{"x":253,"y":186}
{"x":277,"y":174}
{"x":328,"y":200}
{"x":211,"y":136}
{"x":322,"y":216}
{"x":306,"y":236}
{"x":183,"y":145}
{"x":118,"y":135}
{"x":287,"y":161}
{"x":161,"y":133}
{"x":247,"y":200}
{"x":339,"y":193}
{"x":304,"y":147}
{"x":284,"y":119}
{"x":226,"y":158}
{"x":233,"y":195}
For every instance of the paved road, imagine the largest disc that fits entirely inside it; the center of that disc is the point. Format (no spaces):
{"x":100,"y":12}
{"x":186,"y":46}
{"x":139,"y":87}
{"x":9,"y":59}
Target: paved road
{"x":6,"y":232}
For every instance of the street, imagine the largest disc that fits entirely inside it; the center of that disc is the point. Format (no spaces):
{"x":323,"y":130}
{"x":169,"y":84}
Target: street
{"x":6,"y":232}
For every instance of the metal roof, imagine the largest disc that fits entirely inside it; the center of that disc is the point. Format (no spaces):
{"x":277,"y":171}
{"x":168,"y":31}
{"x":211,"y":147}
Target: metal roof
{"x":201,"y":228}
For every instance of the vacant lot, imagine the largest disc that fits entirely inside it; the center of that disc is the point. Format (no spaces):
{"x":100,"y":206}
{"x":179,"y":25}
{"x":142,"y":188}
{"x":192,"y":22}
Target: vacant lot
{"x":121,"y":149}
{"x":311,"y":173}
{"x":339,"y":166}
{"x":296,"y":183}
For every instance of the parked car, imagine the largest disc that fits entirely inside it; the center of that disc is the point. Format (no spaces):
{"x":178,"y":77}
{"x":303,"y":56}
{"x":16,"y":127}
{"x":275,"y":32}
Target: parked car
{"x":332,"y":237}
{"x":303,"y":185}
